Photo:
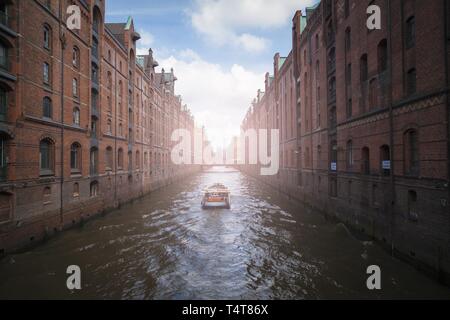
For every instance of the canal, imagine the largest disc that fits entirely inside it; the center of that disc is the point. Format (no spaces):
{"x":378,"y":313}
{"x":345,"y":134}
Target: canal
{"x":164,"y":246}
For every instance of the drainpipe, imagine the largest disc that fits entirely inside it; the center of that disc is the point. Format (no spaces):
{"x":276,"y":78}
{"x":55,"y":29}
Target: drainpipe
{"x":63,"y":47}
{"x":391,"y":130}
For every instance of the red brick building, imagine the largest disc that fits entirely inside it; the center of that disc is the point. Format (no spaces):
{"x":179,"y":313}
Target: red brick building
{"x":372,"y":111}
{"x":85,"y":123}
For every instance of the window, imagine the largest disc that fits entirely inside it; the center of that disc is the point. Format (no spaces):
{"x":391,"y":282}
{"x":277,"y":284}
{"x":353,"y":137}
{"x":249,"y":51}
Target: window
{"x":4,"y":61}
{"x":109,"y":158}
{"x":109,"y":80}
{"x":332,"y":89}
{"x":385,"y":155}
{"x":348,"y":40}
{"x":411,"y":152}
{"x":93,"y":127}
{"x":109,"y":101}
{"x":46,"y":73}
{"x":365,"y":161}
{"x":3,"y":159}
{"x":47,"y":37}
{"x":347,"y":8}
{"x":75,"y":87}
{"x":76,"y":190}
{"x":4,"y":13}
{"x":109,"y":126}
{"x":94,"y":189}
{"x":382,"y":56}
{"x":410,"y":32}
{"x":75,"y":157}
{"x":46,"y":157}
{"x":76,"y":116}
{"x":411,"y":82}
{"x":412,"y":205}
{"x":76,"y":57}
{"x":120,"y":158}
{"x":120,"y":130}
{"x":94,"y":161}
{"x":349,"y":108}
{"x":47,"y":110}
{"x":349,"y":154}
{"x":94,"y":74}
{"x":317,"y":42}
{"x":3,"y":104}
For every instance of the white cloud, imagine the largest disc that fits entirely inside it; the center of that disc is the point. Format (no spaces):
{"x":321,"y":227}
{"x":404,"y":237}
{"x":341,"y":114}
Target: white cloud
{"x":145,"y":42}
{"x":223,"y":21}
{"x":218,"y":97}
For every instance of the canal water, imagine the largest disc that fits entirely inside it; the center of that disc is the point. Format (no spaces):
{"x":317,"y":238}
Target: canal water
{"x":165,"y":246}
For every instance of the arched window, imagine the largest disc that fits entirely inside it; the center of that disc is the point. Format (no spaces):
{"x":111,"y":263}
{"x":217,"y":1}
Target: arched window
{"x":348,"y":40}
{"x":109,"y":126}
{"x":94,"y":189}
{"x":46,"y":73}
{"x":75,"y":57}
{"x":109,"y":158}
{"x":47,"y":109}
{"x":94,"y":122}
{"x":411,"y":82}
{"x":349,"y":159}
{"x":46,"y":157}
{"x":76,"y":116}
{"x":412,"y":205}
{"x":75,"y":87}
{"x":120,"y":88}
{"x":75,"y":157}
{"x":410,"y":32}
{"x":411,"y":151}
{"x":94,"y":161}
{"x":365,"y":160}
{"x":120,"y":130}
{"x":76,"y":190}
{"x":346,"y":8}
{"x":109,"y":80}
{"x":382,"y":56}
{"x":120,"y":158}
{"x":385,"y":157}
{"x":47,"y":37}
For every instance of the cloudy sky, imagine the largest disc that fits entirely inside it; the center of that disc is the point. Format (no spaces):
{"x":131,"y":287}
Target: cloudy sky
{"x":219,"y":49}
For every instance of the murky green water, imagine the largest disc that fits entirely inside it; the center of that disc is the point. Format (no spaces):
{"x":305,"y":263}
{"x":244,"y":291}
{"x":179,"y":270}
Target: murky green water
{"x":165,"y":247}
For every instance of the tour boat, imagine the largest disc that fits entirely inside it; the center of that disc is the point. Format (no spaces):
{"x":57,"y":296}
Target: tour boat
{"x":216,"y":196}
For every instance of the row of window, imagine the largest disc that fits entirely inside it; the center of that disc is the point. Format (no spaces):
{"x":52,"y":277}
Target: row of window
{"x":47,"y":158}
{"x":410,"y":153}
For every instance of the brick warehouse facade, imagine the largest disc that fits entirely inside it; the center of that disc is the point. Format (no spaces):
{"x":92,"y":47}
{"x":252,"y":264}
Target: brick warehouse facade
{"x":85,"y":123}
{"x":372,"y":123}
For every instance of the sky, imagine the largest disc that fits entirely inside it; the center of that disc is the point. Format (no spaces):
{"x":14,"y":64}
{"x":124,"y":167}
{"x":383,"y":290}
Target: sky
{"x":220,"y":50}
